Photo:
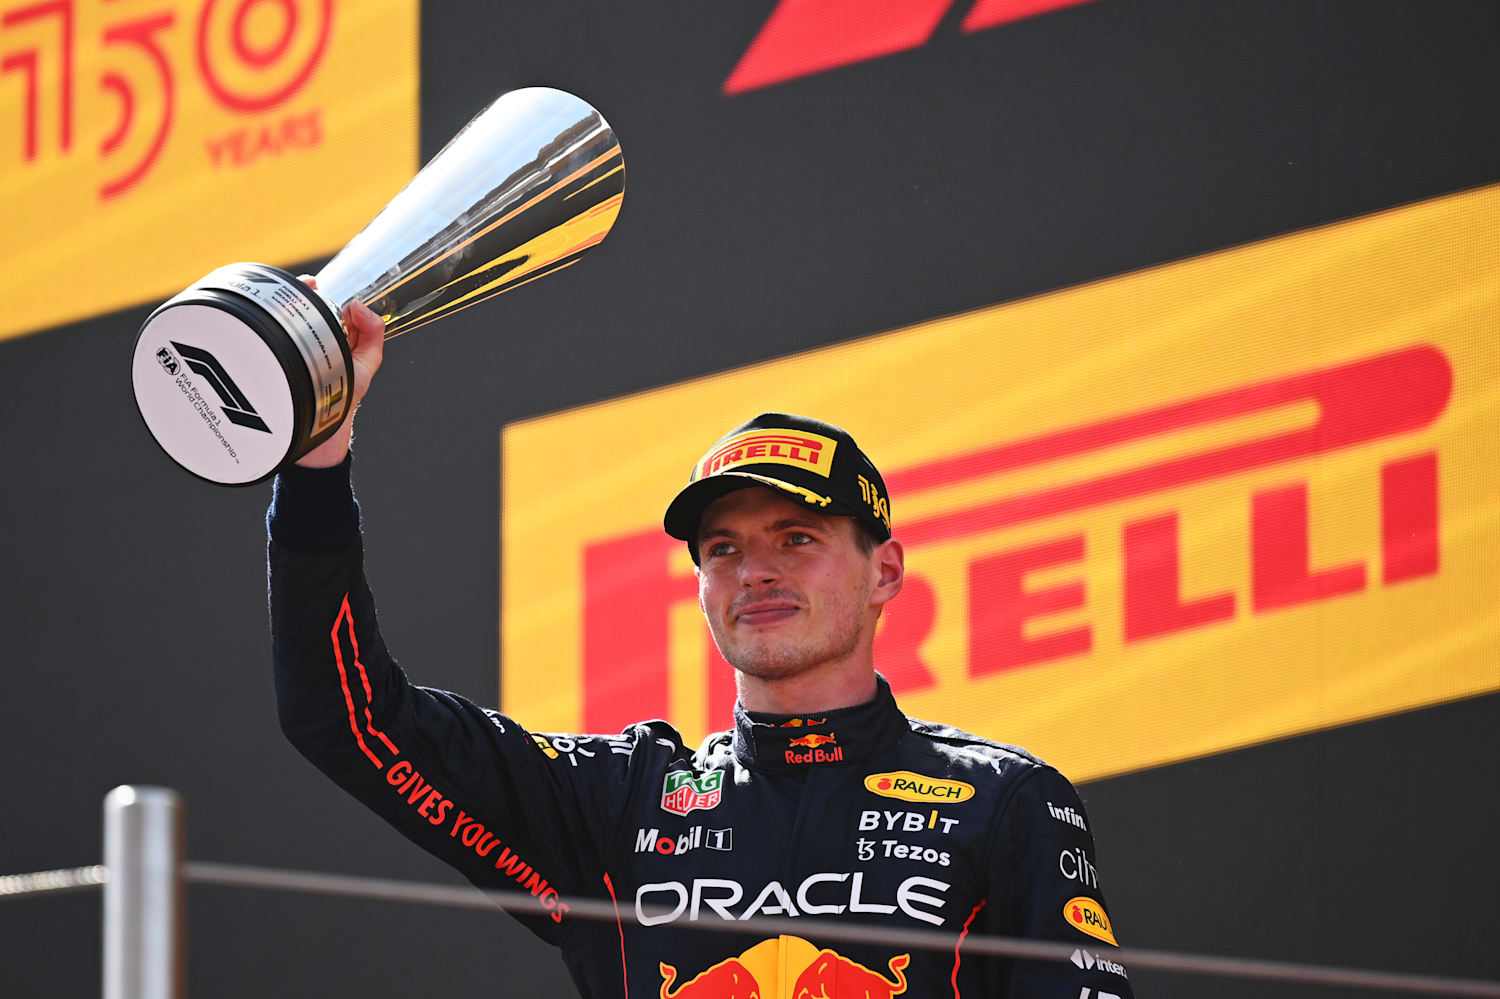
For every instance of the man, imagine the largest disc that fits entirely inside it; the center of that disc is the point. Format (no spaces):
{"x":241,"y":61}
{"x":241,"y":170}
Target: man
{"x":823,"y":802}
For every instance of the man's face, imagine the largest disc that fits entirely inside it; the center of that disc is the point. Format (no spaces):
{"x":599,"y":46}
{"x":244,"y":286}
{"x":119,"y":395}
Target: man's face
{"x":784,"y":589}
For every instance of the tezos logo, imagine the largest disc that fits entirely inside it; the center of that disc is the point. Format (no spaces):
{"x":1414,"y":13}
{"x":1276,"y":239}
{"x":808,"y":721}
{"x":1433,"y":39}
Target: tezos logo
{"x":682,"y":792}
{"x":1087,"y":916}
{"x":907,"y":786}
{"x":236,"y":406}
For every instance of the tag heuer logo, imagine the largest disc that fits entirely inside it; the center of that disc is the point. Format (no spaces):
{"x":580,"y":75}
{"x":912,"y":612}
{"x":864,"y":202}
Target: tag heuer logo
{"x":682,"y":792}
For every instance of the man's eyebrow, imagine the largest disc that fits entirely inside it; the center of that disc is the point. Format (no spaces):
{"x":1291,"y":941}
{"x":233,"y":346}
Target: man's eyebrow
{"x":717,"y":531}
{"x":783,"y":524}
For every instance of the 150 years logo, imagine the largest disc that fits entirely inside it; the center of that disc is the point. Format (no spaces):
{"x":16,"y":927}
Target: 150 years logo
{"x":169,"y":123}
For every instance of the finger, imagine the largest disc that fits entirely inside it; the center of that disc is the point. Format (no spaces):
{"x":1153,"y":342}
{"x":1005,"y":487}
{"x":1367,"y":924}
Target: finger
{"x":366,"y":329}
{"x":308,"y":280}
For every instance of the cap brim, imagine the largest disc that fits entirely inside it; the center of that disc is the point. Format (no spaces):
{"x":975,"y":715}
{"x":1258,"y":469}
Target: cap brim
{"x":686,"y":510}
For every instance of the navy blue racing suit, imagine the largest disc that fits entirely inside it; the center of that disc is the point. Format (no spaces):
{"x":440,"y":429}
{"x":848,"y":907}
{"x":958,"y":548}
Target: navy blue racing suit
{"x":858,"y":814}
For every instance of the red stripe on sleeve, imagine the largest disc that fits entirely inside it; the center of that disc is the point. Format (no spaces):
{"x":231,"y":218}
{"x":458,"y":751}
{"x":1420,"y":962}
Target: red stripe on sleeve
{"x":338,"y":655}
{"x":961,"y":935}
{"x":621,"y":926}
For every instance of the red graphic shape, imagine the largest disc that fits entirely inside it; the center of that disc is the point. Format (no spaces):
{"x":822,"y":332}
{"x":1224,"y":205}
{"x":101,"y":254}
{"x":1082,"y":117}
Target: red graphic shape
{"x":115,"y":82}
{"x":1153,"y":584}
{"x":628,"y":593}
{"x":1000,"y":605}
{"x":1279,"y":573}
{"x":1409,"y":517}
{"x":141,"y":34}
{"x":27,"y":62}
{"x":260,"y":58}
{"x":898,"y":644}
{"x":1362,"y":401}
{"x":249,"y":103}
{"x":808,"y":36}
{"x":993,"y":13}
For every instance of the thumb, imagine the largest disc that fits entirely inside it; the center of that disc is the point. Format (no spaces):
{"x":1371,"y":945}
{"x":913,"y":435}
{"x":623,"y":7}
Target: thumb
{"x":366,"y":332}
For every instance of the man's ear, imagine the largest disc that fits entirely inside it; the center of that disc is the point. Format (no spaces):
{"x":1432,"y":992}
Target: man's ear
{"x":890,"y":569}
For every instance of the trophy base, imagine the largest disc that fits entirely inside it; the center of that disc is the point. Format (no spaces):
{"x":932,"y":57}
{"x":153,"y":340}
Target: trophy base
{"x":241,"y":374}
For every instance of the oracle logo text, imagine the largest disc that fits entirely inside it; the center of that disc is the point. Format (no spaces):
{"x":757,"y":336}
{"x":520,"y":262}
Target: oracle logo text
{"x":826,"y":894}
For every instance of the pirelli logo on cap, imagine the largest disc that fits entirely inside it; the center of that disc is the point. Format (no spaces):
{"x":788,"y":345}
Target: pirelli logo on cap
{"x":797,"y":448}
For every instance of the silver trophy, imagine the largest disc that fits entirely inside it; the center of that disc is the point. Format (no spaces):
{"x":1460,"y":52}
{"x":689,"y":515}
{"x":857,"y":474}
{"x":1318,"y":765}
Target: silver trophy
{"x":248,"y":369}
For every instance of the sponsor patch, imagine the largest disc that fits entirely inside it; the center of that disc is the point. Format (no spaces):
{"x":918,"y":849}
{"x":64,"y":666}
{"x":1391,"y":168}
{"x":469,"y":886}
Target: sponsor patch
{"x":682,"y":792}
{"x":869,"y":849}
{"x":826,"y":893}
{"x":1067,"y":814}
{"x":796,"y":448}
{"x":902,"y":821}
{"x":1088,"y":962}
{"x":1087,"y":916}
{"x":814,"y":744}
{"x":652,"y":841}
{"x":908,"y":786}
{"x":1074,"y":865}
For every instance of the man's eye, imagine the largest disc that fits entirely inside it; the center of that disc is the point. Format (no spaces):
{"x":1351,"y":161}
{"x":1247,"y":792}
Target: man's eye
{"x":799,"y":538}
{"x":718,"y":548}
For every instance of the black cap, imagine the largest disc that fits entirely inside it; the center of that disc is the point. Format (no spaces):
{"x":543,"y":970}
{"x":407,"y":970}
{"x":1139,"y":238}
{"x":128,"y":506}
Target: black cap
{"x":814,"y":461}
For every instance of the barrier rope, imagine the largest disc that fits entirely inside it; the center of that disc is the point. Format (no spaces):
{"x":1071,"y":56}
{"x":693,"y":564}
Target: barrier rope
{"x":66,"y":879}
{"x":390,"y":890}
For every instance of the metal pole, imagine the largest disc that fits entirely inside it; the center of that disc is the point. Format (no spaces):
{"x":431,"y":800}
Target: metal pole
{"x":143,"y":897}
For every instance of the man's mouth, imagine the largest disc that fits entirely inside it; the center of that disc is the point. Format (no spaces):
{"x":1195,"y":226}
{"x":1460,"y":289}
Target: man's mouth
{"x":768,"y":612}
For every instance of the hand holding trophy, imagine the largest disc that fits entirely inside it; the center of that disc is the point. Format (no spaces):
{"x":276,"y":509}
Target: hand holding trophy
{"x":249,"y":369}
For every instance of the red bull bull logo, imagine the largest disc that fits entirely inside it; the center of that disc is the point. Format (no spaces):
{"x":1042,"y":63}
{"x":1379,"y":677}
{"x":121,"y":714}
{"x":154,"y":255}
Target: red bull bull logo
{"x":814,"y":743}
{"x":726,"y":980}
{"x":788,"y":967}
{"x":799,"y":722}
{"x":834,"y":976}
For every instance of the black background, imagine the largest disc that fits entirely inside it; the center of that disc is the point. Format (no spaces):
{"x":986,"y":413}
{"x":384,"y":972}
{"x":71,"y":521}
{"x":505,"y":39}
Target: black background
{"x":976,"y":169}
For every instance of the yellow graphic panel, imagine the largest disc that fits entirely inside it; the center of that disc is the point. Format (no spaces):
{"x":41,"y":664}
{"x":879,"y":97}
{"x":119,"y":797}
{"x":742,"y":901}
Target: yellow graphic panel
{"x":144,"y":143}
{"x":1167,"y":514}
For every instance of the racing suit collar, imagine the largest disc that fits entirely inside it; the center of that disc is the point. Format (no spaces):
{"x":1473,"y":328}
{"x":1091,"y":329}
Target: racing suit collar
{"x":788,"y":743}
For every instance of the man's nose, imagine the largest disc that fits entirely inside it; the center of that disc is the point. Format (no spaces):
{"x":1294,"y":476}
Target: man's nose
{"x":759,"y":566}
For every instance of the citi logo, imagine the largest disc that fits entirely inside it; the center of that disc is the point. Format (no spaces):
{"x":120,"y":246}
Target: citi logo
{"x":236,"y":405}
{"x":802,"y":37}
{"x":1075,"y":866}
{"x":1068,"y":815}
